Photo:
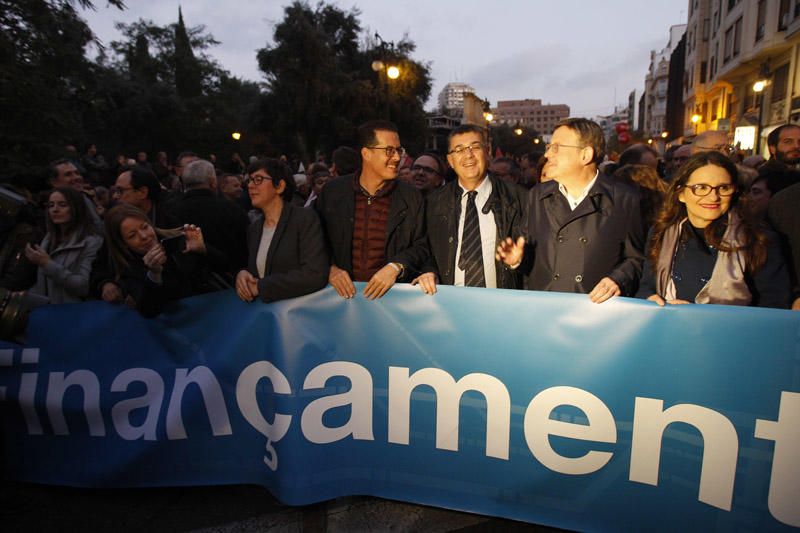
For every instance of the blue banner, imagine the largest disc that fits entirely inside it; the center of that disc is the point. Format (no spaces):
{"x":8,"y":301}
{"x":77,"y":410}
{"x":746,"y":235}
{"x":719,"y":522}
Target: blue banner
{"x":533,"y":406}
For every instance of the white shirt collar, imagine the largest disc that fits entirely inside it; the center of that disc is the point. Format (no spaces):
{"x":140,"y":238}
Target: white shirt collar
{"x":484,"y":190}
{"x":574,"y":201}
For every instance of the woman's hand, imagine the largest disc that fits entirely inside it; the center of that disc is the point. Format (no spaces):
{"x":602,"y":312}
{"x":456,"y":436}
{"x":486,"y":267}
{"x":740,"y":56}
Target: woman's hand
{"x":660,"y":301}
{"x":155,"y":258}
{"x":194,"y":239}
{"x":36,"y":255}
{"x":246,"y":286}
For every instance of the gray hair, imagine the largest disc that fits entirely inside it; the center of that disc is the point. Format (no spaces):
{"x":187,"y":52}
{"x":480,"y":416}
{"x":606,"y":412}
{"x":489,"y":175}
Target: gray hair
{"x":199,"y":172}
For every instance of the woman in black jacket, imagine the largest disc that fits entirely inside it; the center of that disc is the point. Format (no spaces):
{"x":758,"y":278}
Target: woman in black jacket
{"x":705,"y":246}
{"x":153,"y":266}
{"x":286,"y":252}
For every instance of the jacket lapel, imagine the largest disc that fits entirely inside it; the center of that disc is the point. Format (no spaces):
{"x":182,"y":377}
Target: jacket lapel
{"x":280,"y":229}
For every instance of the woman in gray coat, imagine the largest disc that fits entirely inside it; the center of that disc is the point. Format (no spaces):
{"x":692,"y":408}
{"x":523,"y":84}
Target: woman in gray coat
{"x":64,"y":258}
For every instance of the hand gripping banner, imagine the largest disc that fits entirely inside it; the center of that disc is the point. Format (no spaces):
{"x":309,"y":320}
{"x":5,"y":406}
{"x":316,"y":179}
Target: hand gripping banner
{"x":533,"y":406}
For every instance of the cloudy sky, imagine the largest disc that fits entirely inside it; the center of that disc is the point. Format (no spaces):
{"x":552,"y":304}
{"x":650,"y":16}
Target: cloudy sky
{"x":588,"y":55}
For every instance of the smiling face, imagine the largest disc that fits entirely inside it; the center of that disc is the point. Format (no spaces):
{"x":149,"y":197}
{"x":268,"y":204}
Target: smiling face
{"x":703,"y":210}
{"x":571,"y":156}
{"x":138,"y":235}
{"x":375,"y":163}
{"x":58,"y":209}
{"x":470,"y":164}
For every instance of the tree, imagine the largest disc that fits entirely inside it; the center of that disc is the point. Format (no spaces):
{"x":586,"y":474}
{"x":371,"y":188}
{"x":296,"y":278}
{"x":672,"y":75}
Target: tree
{"x":44,"y":77}
{"x":511,"y":144}
{"x":320,"y":84}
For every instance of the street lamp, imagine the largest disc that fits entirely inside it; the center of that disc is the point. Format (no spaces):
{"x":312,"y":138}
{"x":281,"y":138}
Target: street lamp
{"x":518,"y":129}
{"x":393,"y":72}
{"x":236,"y":135}
{"x":536,"y":141}
{"x":649,"y":141}
{"x":664,"y":134}
{"x":758,"y":88}
{"x":695,"y":120}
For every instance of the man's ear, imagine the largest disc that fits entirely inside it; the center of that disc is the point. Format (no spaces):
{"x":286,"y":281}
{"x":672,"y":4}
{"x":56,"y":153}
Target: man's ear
{"x":587,"y":155}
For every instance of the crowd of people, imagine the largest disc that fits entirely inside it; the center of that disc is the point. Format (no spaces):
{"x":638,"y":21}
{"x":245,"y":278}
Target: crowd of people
{"x":698,"y":224}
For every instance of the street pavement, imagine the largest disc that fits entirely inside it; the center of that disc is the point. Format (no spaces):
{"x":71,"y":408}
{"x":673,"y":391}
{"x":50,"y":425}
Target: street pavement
{"x":234,"y":508}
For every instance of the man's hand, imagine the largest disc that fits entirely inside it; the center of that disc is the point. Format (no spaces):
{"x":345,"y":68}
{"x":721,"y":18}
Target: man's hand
{"x":796,"y":305}
{"x":341,"y":281}
{"x":426,"y":282}
{"x":111,"y":293}
{"x":194,"y":239}
{"x":510,"y":252}
{"x":246,"y":286}
{"x":381,"y":282}
{"x":660,"y":301}
{"x":604,"y":290}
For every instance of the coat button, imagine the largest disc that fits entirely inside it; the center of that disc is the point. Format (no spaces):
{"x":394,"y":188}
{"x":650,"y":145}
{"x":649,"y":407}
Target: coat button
{"x":560,"y":238}
{"x":556,"y":276}
{"x":450,"y":240}
{"x":578,"y":278}
{"x":584,"y":240}
{"x":446,"y":272}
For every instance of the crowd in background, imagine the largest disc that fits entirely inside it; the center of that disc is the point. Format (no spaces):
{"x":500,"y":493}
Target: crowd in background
{"x":145,"y":231}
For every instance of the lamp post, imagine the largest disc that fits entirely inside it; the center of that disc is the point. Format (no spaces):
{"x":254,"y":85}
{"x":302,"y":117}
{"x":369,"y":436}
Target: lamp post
{"x":695,"y":120}
{"x":236,"y":135}
{"x":518,"y":129}
{"x":392,"y":72}
{"x":758,"y":88}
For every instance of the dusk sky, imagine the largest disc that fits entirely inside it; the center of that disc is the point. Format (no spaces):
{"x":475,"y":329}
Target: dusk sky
{"x":588,"y":55}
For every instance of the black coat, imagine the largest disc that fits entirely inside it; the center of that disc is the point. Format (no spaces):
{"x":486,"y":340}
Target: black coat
{"x":442,"y":214}
{"x":405,"y":228}
{"x":297,"y":263}
{"x":571,"y":251}
{"x":224,"y":227}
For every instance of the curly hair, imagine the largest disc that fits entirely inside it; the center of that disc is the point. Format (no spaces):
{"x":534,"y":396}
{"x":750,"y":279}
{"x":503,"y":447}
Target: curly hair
{"x":753,"y":241}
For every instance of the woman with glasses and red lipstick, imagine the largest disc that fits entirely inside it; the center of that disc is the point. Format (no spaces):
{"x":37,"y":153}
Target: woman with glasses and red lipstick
{"x":64,"y":257}
{"x":287,"y":256}
{"x":706,"y":247}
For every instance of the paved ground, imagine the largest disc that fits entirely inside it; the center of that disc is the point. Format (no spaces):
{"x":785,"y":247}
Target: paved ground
{"x":237,"y":508}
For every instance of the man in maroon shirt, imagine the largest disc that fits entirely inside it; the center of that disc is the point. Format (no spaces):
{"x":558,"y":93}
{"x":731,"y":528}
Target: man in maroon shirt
{"x":373,"y":223}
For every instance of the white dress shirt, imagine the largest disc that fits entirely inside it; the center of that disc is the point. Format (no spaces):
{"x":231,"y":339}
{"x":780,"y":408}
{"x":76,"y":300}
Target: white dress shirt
{"x":488,"y":235}
{"x":574,"y":201}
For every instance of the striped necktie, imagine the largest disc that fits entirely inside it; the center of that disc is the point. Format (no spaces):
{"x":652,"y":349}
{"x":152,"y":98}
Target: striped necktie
{"x":471,"y":258}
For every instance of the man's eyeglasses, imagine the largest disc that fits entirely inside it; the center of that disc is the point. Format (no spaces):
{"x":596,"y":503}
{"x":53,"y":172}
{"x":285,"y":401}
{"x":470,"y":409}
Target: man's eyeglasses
{"x":255,"y":180}
{"x":554,"y":147}
{"x":389,"y":150}
{"x":120,"y":190}
{"x":460,"y":151}
{"x":703,"y":189}
{"x":727,"y":148}
{"x":423,"y":168}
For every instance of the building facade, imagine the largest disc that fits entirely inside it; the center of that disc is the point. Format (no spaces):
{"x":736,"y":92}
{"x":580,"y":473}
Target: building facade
{"x":656,"y":85}
{"x":451,"y":97}
{"x":731,"y":44}
{"x":530,"y":114}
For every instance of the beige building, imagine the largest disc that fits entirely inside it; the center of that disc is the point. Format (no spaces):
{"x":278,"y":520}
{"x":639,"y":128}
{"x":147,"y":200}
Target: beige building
{"x":530,"y":114}
{"x":656,"y":83}
{"x":731,"y":44}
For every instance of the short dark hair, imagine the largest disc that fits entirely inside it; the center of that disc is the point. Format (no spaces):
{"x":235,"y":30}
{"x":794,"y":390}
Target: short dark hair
{"x":366,"y":131}
{"x":346,"y":160}
{"x":278,"y":171}
{"x":513,"y":166}
{"x":144,"y":177}
{"x":466,"y":128}
{"x":52,"y":169}
{"x":774,"y":135}
{"x":183,"y":154}
{"x":633,"y":154}
{"x":590,"y":133}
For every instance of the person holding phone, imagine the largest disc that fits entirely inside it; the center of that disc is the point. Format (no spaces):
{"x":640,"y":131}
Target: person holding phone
{"x":153,"y":266}
{"x":64,"y":257}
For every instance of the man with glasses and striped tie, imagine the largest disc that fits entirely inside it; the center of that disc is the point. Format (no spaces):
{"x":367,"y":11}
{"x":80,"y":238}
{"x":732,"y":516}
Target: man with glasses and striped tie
{"x":469,"y":217}
{"x":584,"y":231}
{"x":374,"y":224}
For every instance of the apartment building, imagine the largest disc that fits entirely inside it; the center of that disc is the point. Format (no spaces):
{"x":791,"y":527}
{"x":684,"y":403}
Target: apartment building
{"x":530,"y":113}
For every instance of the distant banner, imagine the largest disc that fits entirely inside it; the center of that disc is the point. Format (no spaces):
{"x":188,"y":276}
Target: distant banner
{"x":532,"y":406}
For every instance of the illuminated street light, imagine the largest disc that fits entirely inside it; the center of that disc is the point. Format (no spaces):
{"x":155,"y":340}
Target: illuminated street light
{"x":377,"y":66}
{"x":759,"y":86}
{"x":695,"y":118}
{"x":236,"y":135}
{"x":518,"y":129}
{"x":536,"y":141}
{"x":393,"y":72}
{"x":664,"y":134}
{"x":488,"y":116}
{"x":649,"y":141}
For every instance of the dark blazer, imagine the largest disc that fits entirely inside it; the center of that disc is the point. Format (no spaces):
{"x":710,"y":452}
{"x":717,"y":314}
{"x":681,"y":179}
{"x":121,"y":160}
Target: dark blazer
{"x":442,"y":213}
{"x":405,"y":228}
{"x":297,"y":263}
{"x":571,"y":251}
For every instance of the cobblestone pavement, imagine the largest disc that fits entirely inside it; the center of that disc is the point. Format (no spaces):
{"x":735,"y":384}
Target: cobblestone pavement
{"x":235,"y":508}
